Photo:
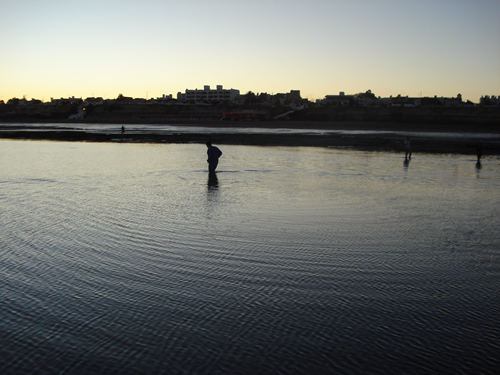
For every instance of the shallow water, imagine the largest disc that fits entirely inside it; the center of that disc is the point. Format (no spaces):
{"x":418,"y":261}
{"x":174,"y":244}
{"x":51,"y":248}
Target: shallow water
{"x":183,"y":129}
{"x":128,"y":258}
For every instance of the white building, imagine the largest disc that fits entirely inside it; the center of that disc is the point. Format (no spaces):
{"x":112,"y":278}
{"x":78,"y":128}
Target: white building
{"x":207,"y":95}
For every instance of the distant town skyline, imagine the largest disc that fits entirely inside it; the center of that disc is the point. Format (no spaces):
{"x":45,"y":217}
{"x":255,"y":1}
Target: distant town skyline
{"x":230,"y":95}
{"x":321,"y":47}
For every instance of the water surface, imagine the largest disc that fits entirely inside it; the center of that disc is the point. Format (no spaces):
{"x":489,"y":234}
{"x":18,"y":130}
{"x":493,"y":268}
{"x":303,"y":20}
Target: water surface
{"x":129,"y":258}
{"x":184,"y":129}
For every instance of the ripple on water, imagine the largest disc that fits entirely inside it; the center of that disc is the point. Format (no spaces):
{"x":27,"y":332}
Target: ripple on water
{"x":296,"y":261}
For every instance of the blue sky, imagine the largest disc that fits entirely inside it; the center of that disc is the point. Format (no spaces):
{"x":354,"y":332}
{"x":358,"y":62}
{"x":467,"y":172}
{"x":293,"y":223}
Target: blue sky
{"x":149,"y":48}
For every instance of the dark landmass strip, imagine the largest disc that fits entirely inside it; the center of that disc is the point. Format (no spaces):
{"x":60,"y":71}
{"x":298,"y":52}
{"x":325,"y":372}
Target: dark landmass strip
{"x":323,"y":116}
{"x":475,"y":120}
{"x":372,"y":142}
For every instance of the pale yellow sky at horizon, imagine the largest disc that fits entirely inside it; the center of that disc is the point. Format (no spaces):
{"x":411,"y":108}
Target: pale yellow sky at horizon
{"x":150,"y":48}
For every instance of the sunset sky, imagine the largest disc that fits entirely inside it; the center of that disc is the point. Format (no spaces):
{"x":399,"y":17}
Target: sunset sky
{"x":148,"y":48}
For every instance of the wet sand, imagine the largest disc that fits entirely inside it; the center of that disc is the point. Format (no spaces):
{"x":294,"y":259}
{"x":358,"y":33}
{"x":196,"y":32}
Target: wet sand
{"x":380,"y":141}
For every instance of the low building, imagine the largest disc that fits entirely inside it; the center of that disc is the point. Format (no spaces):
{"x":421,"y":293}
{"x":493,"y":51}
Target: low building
{"x":404,"y":101}
{"x":489,"y":101}
{"x":441,"y":101}
{"x":208,"y":95}
{"x":336,"y":100}
{"x":366,"y":102}
{"x":93,"y":101}
{"x":164,"y":98}
{"x":65,"y":101}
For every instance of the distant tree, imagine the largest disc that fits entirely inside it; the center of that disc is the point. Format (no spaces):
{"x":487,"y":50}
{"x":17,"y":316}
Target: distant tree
{"x":120,"y":98}
{"x":2,"y":102}
{"x":110,"y":107}
{"x":262,"y":97}
{"x":278,"y":99}
{"x":368,"y":95}
{"x":89,"y":109}
{"x":13,"y":101}
{"x":250,"y":98}
{"x":72,"y":109}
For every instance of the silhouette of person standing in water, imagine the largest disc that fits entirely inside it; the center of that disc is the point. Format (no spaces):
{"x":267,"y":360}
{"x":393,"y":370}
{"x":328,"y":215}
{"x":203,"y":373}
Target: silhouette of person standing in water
{"x":213,"y":157}
{"x":123,"y":129}
{"x":479,"y":151}
{"x":407,"y":148}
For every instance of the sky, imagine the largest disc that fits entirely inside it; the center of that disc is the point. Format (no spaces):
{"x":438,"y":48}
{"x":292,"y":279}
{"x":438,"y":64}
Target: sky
{"x":147,"y":48}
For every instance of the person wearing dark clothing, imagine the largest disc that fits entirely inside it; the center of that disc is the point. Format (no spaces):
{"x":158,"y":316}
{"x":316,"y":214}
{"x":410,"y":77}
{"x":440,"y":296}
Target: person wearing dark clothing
{"x":213,"y":156}
{"x":407,"y":147}
{"x":479,"y":151}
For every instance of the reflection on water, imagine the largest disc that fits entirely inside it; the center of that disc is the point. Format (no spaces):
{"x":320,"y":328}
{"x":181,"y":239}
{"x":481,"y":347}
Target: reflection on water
{"x":213,"y":181}
{"x":126,"y":258}
{"x":406,"y":163}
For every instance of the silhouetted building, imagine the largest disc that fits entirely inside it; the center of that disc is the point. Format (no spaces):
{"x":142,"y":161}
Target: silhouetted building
{"x":404,"y":101}
{"x":489,"y":101}
{"x":294,"y":95}
{"x":93,"y":101}
{"x":207,"y":95}
{"x":337,"y":100}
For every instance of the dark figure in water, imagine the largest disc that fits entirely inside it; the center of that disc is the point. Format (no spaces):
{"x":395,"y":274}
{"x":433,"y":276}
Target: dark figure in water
{"x":213,"y":157}
{"x":407,"y":148}
{"x":123,"y":129}
{"x":479,"y":151}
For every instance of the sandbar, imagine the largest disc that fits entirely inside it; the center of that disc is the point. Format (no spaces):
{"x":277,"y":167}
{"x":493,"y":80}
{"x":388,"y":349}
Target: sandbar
{"x":458,"y":139}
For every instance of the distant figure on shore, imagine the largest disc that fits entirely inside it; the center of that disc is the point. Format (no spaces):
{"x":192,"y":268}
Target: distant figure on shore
{"x":123,"y":129}
{"x":407,"y":148}
{"x":479,"y":151}
{"x":213,"y":157}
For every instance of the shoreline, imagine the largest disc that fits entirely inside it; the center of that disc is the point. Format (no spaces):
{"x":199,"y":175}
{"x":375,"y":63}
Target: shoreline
{"x":369,"y":142}
{"x":277,"y":124}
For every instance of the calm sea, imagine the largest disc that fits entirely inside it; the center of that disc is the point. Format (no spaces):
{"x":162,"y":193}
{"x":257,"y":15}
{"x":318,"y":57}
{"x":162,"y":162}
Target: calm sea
{"x":130,"y":259}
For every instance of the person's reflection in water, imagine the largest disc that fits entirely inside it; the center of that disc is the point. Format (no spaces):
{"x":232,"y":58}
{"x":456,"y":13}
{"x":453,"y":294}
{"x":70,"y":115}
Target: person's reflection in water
{"x":212,"y":205}
{"x":213,"y":181}
{"x":478,"y":168}
{"x":406,"y":163}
